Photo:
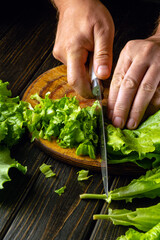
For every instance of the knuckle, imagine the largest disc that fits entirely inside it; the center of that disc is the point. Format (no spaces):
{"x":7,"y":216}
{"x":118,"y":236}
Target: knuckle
{"x":102,"y":54}
{"x":129,"y":45}
{"x":136,"y":111}
{"x":147,"y":87}
{"x":72,"y":82}
{"x":120,"y":108}
{"x":56,"y":52}
{"x":130,"y":83}
{"x":116,"y":81}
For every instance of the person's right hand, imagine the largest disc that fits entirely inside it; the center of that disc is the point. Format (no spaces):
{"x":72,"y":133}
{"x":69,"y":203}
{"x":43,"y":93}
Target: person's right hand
{"x":83,"y":27}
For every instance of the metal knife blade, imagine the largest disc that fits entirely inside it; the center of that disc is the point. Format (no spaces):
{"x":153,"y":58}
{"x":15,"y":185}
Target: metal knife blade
{"x":96,"y":90}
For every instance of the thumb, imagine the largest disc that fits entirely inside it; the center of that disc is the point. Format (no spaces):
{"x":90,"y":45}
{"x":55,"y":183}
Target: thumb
{"x":103,"y":55}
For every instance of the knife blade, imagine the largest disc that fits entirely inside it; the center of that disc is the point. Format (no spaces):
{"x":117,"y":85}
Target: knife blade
{"x":96,"y":91}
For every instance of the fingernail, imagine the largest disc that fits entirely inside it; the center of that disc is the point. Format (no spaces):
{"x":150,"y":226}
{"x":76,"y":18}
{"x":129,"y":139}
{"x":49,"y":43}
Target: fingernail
{"x":131,"y":123}
{"x":103,"y":70}
{"x":118,"y":122}
{"x":110,"y":114}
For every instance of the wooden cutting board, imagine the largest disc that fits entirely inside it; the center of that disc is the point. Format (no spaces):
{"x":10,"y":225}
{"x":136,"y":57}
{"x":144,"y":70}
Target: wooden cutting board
{"x":55,"y":81}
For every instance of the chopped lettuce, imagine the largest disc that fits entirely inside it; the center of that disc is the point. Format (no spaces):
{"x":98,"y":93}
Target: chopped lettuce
{"x":74,"y":127}
{"x":141,"y":146}
{"x":6,"y":162}
{"x":83,"y":175}
{"x":60,"y":190}
{"x":46,"y":170}
{"x":142,"y":218}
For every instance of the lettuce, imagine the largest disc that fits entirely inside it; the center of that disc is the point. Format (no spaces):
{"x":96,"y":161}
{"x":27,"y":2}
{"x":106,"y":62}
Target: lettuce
{"x":6,"y":162}
{"x":12,"y":126}
{"x":152,"y":234}
{"x":46,"y":170}
{"x":142,"y":218}
{"x":141,"y":146}
{"x":145,"y":186}
{"x":60,"y":190}
{"x":83,"y":175}
{"x":63,"y":118}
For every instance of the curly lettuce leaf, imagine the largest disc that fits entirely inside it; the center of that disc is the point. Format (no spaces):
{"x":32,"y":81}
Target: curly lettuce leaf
{"x":6,"y":162}
{"x":141,"y":146}
{"x":4,"y":92}
{"x":142,"y":218}
{"x":152,"y":234}
{"x":131,"y":234}
{"x":12,"y":124}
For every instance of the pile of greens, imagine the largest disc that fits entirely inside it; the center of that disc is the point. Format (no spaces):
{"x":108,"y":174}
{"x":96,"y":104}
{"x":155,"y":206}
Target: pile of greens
{"x":74,"y":127}
{"x":12,"y":126}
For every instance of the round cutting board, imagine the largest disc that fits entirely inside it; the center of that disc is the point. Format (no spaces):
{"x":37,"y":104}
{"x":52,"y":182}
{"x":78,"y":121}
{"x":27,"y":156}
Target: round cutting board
{"x":55,"y":81}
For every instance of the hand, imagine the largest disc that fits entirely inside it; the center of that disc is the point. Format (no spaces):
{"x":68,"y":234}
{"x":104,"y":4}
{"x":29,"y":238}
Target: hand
{"x":83,"y":27}
{"x":136,"y":82}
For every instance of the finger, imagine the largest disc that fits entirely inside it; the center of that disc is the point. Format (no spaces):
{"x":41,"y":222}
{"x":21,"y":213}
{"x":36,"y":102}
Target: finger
{"x":77,"y":74}
{"x":103,"y":44}
{"x":123,"y":65}
{"x":143,"y":97}
{"x":127,"y":92}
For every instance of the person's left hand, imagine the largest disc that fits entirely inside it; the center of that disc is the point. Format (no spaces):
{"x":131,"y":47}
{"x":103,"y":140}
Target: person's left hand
{"x":136,"y":82}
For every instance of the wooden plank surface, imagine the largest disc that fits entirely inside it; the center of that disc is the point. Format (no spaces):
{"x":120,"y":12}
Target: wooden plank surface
{"x":30,"y":209}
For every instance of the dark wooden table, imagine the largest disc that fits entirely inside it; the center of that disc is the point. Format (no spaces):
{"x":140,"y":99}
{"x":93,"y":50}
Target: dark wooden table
{"x":29,"y":207}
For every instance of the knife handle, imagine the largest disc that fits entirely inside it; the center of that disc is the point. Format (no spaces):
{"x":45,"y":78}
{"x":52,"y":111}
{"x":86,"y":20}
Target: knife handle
{"x":96,"y":86}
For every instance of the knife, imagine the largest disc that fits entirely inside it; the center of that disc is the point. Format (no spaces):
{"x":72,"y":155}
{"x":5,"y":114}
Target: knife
{"x":96,"y":91}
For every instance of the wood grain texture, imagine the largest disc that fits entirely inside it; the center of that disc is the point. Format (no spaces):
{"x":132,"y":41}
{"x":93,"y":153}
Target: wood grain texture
{"x":47,"y":216}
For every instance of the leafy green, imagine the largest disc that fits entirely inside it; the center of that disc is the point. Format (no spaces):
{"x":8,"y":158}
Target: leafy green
{"x":46,"y":170}
{"x":60,"y":190}
{"x":83,"y":175}
{"x":12,"y":124}
{"x":74,"y":127}
{"x":145,"y":186}
{"x":131,"y":234}
{"x":152,"y":234}
{"x":142,"y":218}
{"x":141,"y":146}
{"x":6,"y":162}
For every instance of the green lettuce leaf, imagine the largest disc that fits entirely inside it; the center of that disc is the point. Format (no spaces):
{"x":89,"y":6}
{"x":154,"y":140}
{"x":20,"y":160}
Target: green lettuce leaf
{"x":12,"y":124}
{"x":131,"y":234}
{"x":152,"y":234}
{"x":46,"y":170}
{"x":145,"y":186}
{"x":6,"y":162}
{"x":83,"y":175}
{"x":60,"y":190}
{"x":141,"y":146}
{"x":142,"y":218}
